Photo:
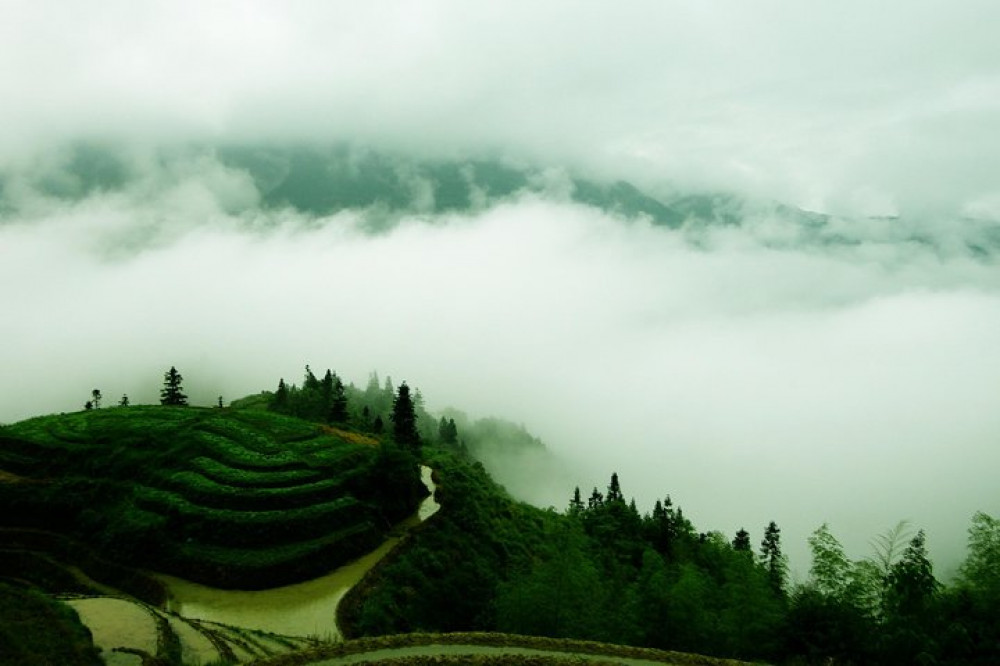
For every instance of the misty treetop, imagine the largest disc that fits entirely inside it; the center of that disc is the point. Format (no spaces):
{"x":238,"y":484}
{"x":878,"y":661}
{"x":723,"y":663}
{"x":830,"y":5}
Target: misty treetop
{"x":675,"y":588}
{"x":329,"y":400}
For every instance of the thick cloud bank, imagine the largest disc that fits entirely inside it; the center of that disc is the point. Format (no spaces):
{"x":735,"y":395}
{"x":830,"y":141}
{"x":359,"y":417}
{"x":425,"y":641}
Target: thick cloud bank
{"x":853,"y":383}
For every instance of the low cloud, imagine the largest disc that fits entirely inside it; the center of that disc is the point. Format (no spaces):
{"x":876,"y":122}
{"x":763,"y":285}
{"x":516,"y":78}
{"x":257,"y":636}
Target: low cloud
{"x":751,"y":381}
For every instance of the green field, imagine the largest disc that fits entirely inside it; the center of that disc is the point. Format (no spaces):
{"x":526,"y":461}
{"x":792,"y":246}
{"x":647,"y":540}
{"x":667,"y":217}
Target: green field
{"x":226,"y":497}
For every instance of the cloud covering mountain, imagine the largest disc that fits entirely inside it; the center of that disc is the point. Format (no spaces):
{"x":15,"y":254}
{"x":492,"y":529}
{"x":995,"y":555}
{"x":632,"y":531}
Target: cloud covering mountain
{"x":565,"y":214}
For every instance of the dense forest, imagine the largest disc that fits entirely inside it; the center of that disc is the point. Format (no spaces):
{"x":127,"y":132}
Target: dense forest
{"x":600,"y":569}
{"x":603,"y":570}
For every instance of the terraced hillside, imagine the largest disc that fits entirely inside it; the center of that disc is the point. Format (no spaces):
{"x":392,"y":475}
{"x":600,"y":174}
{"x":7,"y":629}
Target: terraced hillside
{"x":230,"y":498}
{"x":126,"y":627}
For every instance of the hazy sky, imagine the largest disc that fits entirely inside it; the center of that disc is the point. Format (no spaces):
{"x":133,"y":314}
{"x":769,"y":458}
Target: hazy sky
{"x":856,"y":385}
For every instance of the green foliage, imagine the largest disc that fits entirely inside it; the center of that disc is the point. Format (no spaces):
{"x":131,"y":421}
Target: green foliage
{"x":171,"y":393}
{"x":38,"y":631}
{"x":319,"y":400}
{"x":446,"y":578}
{"x":772,"y":559}
{"x":404,"y":419}
{"x":560,"y":595}
{"x":911,"y":582}
{"x":830,"y":567}
{"x":981,"y":569}
{"x":237,"y":498}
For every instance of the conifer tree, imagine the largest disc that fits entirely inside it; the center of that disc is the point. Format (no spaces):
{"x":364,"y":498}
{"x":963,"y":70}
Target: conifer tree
{"x":96,"y":398}
{"x":576,"y":504}
{"x":404,"y":419}
{"x":772,"y":560}
{"x":279,"y":403}
{"x":171,"y":393}
{"x":742,"y":541}
{"x":338,"y":402}
{"x":614,"y":490}
{"x":310,"y":383}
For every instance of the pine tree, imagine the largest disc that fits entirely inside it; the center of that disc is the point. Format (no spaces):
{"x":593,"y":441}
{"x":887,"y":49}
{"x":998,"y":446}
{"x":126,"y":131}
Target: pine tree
{"x":171,"y":393}
{"x":279,"y":403}
{"x":404,"y":419}
{"x":338,"y":402}
{"x":772,"y":560}
{"x":378,"y":425}
{"x":742,"y":541}
{"x":576,"y":504}
{"x":96,"y":398}
{"x":310,"y":383}
{"x":614,"y":490}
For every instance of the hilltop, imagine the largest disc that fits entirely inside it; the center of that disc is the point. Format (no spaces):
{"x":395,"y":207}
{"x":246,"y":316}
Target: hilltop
{"x":230,"y":498}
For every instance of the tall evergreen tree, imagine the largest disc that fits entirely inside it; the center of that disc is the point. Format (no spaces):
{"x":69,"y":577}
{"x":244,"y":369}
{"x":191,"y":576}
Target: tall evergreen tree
{"x":310,"y":383}
{"x":742,"y":542}
{"x":96,"y":398}
{"x":171,"y":393}
{"x":576,"y":504}
{"x":338,"y":401}
{"x":279,"y":403}
{"x":404,"y":419}
{"x":772,"y":560}
{"x":614,"y":490}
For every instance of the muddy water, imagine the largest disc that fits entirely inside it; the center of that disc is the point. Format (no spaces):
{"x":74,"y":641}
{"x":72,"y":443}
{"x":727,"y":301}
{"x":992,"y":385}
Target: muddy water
{"x":303,"y":609}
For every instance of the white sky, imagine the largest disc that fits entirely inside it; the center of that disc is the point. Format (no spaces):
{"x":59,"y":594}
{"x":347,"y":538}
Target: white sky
{"x":847,"y":107}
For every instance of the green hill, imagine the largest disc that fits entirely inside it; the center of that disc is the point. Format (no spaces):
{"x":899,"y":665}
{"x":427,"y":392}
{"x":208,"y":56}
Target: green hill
{"x":230,"y":498}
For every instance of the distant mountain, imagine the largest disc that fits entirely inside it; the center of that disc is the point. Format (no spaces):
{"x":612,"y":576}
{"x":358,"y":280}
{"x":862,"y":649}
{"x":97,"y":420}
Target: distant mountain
{"x":319,"y":181}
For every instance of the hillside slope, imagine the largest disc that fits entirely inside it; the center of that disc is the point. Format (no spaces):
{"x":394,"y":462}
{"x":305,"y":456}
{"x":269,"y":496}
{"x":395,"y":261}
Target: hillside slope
{"x":226,"y":497}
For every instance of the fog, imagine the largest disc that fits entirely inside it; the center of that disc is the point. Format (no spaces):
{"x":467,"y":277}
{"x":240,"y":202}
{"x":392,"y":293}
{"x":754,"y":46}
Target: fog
{"x":747,"y":371}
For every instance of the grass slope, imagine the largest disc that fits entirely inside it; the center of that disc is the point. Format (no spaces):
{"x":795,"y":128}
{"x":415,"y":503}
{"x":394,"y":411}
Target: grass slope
{"x":226,"y":497}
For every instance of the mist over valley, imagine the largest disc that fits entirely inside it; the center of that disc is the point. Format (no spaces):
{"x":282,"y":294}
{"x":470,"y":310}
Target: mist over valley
{"x":741,"y":255}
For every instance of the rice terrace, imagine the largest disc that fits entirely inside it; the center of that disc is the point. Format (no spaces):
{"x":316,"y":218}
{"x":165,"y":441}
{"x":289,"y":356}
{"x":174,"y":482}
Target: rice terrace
{"x":172,"y":534}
